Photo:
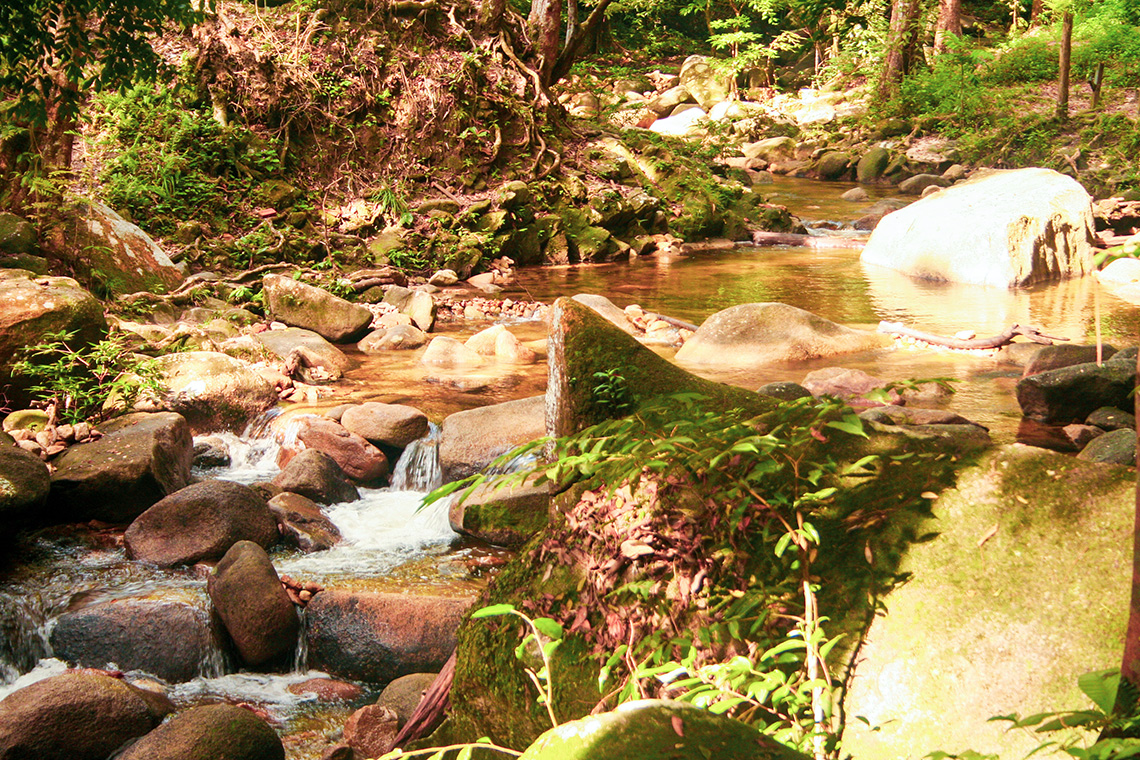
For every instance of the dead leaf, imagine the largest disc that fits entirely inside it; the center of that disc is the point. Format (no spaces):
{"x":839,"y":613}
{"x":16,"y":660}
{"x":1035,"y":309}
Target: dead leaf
{"x":929,"y":495}
{"x":988,"y":535}
{"x":678,"y":725}
{"x":632,"y":548}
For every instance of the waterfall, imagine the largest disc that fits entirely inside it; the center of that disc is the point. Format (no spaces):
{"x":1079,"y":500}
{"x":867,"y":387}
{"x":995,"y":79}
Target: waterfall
{"x":23,"y":634}
{"x":418,"y":467}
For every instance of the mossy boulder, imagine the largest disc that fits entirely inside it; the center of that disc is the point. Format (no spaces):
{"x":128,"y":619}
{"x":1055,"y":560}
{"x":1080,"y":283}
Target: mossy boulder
{"x":657,"y":729}
{"x":17,"y":235}
{"x":583,"y":343}
{"x":502,"y":515}
{"x":301,"y":305}
{"x":833,"y":165}
{"x":114,"y":255}
{"x":872,"y":164}
{"x":1024,"y":588}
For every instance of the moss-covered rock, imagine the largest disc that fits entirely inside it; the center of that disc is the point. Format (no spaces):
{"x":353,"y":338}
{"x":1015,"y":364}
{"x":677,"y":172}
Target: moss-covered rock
{"x":657,"y":729}
{"x":1025,"y":587}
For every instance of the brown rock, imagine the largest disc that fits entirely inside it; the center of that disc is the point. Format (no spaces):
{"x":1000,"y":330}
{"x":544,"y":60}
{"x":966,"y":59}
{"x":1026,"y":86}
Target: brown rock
{"x":328,"y":689}
{"x":79,"y":715}
{"x":358,"y":458}
{"x":374,"y":636}
{"x":210,"y":732}
{"x":394,"y":425}
{"x":253,"y":606}
{"x":315,"y":475}
{"x":302,"y":523}
{"x":371,"y":730}
{"x":201,"y":521}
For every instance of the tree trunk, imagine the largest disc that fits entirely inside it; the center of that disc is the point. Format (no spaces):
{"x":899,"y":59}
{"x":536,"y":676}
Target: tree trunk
{"x":1066,"y":56}
{"x":900,"y":45}
{"x":571,"y":19}
{"x":544,"y":25}
{"x":1035,"y":12}
{"x":491,"y":14}
{"x":949,"y":23}
{"x":1130,"y":662}
{"x":580,"y":35}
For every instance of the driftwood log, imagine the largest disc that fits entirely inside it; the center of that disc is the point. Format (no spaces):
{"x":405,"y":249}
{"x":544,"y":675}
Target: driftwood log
{"x":1005,"y":338}
{"x":432,"y":707}
{"x":761,"y":238}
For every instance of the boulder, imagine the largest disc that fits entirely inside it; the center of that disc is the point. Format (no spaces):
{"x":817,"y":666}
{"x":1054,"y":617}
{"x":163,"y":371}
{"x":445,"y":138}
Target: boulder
{"x":919,"y":183}
{"x":995,"y":617}
{"x":657,"y":729}
{"x":683,"y":124}
{"x":301,"y":305}
{"x":169,"y":639}
{"x":1109,"y":418}
{"x":24,"y":485}
{"x":140,"y":459}
{"x":371,"y":731}
{"x":855,"y":195}
{"x":708,"y":87}
{"x":757,"y":334}
{"x":608,"y":310}
{"x":1004,"y":229}
{"x":377,"y":636}
{"x":75,"y":716}
{"x":875,"y":213}
{"x":403,"y":695}
{"x":502,"y":515}
{"x":1115,"y":447}
{"x":449,"y":353}
{"x":315,"y":475}
{"x":394,"y":425}
{"x":833,"y":165}
{"x":31,"y":307}
{"x":356,"y":457}
{"x":784,"y":389}
{"x":214,"y":391}
{"x":1064,"y":355}
{"x":209,"y":732}
{"x":472,"y":439}
{"x":115,"y":254}
{"x":421,"y":308}
{"x":664,"y":102}
{"x":211,"y":451}
{"x":316,"y":358}
{"x":302,"y":524}
{"x":501,"y":345}
{"x":772,"y":149}
{"x":872,"y":164}
{"x":398,"y":337}
{"x":200,"y":522}
{"x":443,"y":278}
{"x":1070,"y":394}
{"x":253,"y":606}
{"x":582,"y":344}
{"x":17,"y":235}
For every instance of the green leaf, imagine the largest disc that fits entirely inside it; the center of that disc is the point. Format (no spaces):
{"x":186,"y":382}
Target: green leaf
{"x":493,"y":611}
{"x":550,"y":628}
{"x":465,"y":753}
{"x":848,"y":426}
{"x":1101,"y":687}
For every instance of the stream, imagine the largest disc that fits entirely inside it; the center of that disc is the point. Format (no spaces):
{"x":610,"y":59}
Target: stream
{"x":390,"y":544}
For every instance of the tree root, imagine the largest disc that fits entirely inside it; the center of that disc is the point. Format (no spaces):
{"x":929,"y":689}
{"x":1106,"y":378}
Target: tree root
{"x":997,"y":341}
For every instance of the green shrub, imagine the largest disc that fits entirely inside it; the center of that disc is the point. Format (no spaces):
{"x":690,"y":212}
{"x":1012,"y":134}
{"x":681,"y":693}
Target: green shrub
{"x":86,"y":382}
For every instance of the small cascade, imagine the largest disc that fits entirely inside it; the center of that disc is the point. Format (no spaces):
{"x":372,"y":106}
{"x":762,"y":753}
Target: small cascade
{"x":23,"y":634}
{"x":418,"y":467}
{"x":301,"y":651}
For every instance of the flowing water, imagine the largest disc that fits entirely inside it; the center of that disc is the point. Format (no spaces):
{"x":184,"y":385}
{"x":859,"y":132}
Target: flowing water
{"x":389,"y":543}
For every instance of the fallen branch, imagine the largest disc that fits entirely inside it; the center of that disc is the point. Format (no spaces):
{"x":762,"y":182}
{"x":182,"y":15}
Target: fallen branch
{"x":997,"y":341}
{"x":762,"y":238}
{"x":432,"y":707}
{"x":673,"y":321}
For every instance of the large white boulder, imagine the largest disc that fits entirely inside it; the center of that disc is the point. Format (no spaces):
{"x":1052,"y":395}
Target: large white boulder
{"x":1003,"y":229}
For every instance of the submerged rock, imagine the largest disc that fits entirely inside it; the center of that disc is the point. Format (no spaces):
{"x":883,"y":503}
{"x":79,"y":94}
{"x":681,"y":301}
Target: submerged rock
{"x":1003,"y":229}
{"x":757,"y":334}
{"x":79,"y":715}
